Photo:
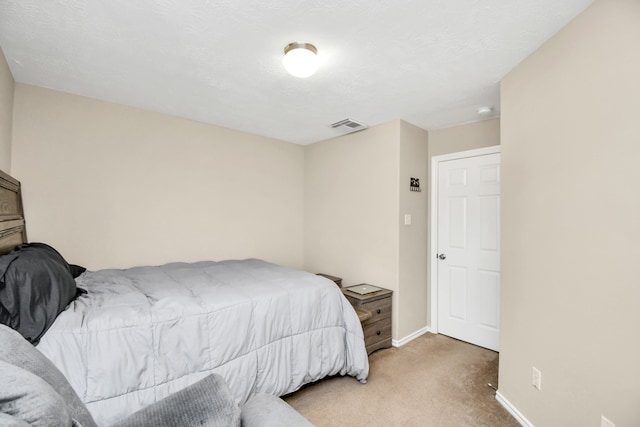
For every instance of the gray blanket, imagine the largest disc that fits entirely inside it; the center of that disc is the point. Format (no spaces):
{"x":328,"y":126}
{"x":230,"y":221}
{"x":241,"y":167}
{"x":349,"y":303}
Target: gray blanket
{"x":141,"y":334}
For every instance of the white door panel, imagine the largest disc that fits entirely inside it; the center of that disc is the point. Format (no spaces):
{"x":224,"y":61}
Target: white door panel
{"x":469,"y":244}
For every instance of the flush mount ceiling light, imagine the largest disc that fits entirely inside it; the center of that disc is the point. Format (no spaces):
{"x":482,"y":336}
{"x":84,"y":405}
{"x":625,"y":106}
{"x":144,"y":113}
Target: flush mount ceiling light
{"x":300,"y":59}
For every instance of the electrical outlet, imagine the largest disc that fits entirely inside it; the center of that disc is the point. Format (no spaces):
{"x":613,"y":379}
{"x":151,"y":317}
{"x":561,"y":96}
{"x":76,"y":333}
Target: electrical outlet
{"x":536,"y":378}
{"x":605,"y":422}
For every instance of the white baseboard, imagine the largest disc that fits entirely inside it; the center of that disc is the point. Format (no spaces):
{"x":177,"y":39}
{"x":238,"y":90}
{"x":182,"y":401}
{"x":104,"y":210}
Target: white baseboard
{"x":410,"y":337}
{"x":513,"y":411}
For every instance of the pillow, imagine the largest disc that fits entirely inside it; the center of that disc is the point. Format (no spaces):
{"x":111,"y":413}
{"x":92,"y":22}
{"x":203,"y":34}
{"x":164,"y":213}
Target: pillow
{"x":31,"y":399}
{"x":17,"y":351}
{"x":35,"y":286}
{"x":76,"y":270}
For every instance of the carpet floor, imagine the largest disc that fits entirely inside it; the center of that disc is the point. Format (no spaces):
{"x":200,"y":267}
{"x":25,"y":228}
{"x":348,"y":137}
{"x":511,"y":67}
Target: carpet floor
{"x":432,"y":381}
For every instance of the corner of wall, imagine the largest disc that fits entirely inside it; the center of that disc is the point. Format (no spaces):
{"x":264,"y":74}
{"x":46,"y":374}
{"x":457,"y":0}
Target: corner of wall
{"x":7,"y":85}
{"x":411,"y":294}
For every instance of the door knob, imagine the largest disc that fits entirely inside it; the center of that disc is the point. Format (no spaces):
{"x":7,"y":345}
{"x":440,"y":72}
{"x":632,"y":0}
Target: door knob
{"x":442,"y":256}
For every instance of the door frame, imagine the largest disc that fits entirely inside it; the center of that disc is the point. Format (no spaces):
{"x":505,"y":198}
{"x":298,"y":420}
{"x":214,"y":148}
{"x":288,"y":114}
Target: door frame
{"x":433,"y":212}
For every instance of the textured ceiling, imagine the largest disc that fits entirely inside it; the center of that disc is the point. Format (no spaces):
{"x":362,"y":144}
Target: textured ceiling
{"x":429,"y":62}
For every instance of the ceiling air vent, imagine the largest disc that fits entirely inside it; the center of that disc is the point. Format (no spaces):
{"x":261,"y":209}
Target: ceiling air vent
{"x":348,"y":126}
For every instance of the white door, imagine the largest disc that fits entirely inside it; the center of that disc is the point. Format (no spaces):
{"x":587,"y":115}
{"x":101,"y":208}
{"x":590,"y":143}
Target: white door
{"x":468,"y":249}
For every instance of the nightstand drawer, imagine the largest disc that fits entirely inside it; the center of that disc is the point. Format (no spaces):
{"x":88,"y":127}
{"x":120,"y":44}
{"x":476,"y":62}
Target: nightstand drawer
{"x":379,"y":309}
{"x":377,"y":331}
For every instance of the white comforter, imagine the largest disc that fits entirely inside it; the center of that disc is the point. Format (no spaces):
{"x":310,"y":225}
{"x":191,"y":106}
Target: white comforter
{"x":143,"y":333}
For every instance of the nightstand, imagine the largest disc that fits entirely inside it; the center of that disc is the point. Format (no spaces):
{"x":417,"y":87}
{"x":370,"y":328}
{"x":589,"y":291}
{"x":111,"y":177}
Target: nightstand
{"x":374,"y":311}
{"x":334,"y":279}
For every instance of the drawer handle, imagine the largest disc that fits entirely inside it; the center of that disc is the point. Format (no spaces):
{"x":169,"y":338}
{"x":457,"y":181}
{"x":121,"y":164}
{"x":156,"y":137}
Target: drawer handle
{"x":378,"y":311}
{"x":378,"y":333}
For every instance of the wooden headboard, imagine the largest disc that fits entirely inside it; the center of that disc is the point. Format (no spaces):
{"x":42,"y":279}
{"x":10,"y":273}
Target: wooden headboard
{"x":12,"y":226}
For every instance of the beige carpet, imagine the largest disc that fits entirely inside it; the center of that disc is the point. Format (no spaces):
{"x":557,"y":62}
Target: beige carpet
{"x":431,"y":381}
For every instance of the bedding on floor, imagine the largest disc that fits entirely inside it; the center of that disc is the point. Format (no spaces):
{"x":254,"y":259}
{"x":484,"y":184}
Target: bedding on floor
{"x":140,"y":334}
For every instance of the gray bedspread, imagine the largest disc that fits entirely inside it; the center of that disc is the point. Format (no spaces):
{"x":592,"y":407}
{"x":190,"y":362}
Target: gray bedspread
{"x":143,"y":333}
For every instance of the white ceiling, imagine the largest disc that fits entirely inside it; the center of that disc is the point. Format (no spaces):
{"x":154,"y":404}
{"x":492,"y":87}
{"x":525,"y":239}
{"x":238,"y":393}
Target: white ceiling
{"x":429,"y":62}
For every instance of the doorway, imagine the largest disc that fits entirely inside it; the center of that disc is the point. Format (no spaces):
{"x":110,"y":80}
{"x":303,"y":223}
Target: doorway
{"x":465,"y":246}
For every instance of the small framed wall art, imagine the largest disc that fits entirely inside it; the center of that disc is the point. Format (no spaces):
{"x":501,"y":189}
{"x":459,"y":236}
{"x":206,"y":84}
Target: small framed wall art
{"x":415,"y":184}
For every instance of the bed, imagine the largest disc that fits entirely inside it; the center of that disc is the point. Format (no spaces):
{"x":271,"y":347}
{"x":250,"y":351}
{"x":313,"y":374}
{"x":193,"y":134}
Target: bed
{"x":140,"y":334}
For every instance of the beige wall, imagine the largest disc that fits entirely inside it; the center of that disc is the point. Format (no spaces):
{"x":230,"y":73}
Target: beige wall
{"x":6,"y":113}
{"x":470,"y":136}
{"x":356,"y":195}
{"x":114,"y":186}
{"x":484,"y":133}
{"x":412,"y":290}
{"x":351,"y":207}
{"x":570,"y":223}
